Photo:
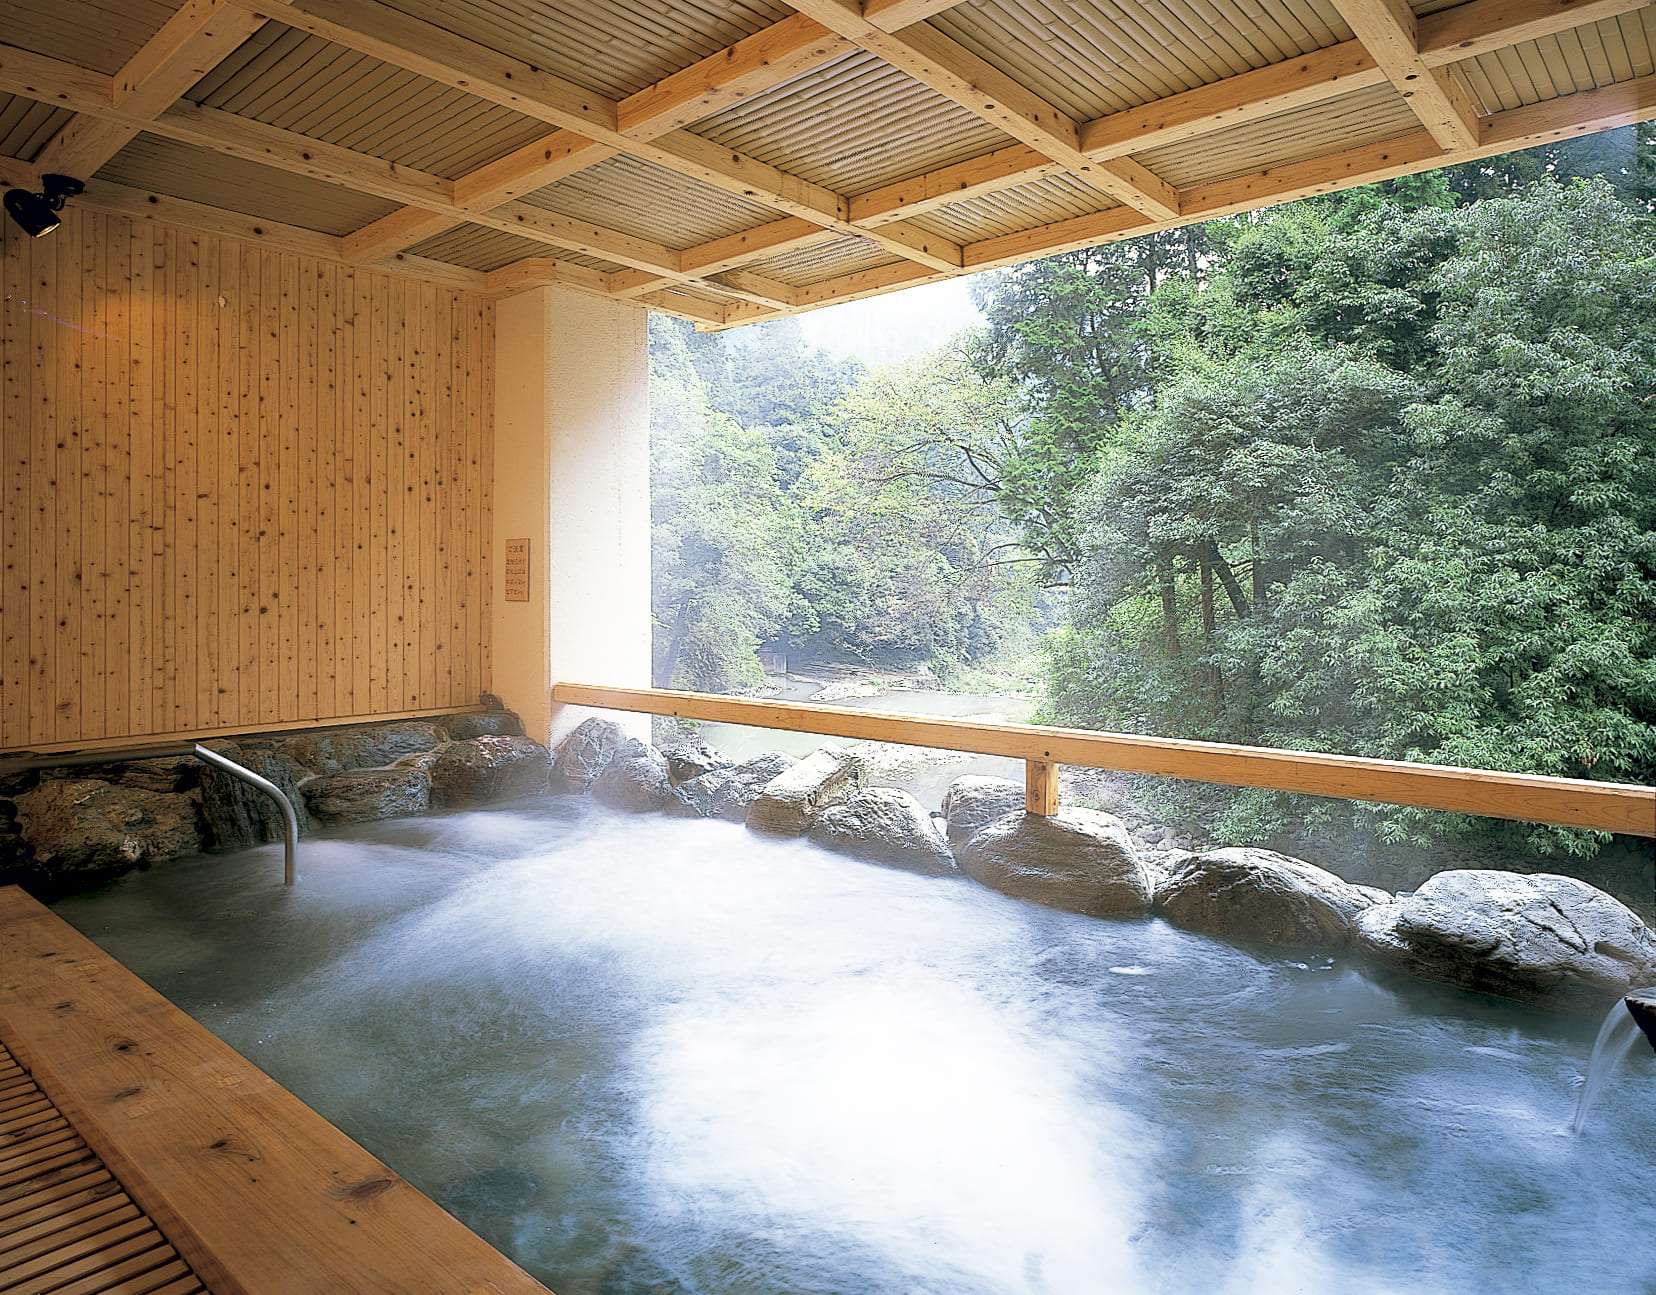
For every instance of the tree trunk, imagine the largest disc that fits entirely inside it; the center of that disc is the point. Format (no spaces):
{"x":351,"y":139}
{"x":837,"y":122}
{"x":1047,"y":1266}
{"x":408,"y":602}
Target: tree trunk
{"x":1209,"y":627}
{"x":1170,"y":605}
{"x":675,"y":644}
{"x":1259,"y":582}
{"x":1227,"y":577}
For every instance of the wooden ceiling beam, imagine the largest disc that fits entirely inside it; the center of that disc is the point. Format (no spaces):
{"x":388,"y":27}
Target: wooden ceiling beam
{"x":534,"y":166}
{"x":760,"y":62}
{"x":403,"y":228}
{"x":1484,"y":26}
{"x":190,"y":44}
{"x":430,"y":198}
{"x":1389,"y":30}
{"x":543,"y":272}
{"x":894,"y":15}
{"x":1005,"y":168}
{"x":15,"y":173}
{"x":388,"y":34}
{"x":141,"y":204}
{"x":949,"y":69}
{"x":758,"y":288}
{"x":1446,"y":37}
{"x":688,"y":306}
{"x":1587,"y":112}
{"x":769,"y":57}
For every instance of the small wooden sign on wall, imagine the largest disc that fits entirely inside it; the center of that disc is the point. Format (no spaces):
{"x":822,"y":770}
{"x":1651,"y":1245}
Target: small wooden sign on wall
{"x":517,"y":571}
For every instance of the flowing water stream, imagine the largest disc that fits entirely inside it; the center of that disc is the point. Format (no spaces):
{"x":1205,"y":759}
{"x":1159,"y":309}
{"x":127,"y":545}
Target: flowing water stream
{"x":660,"y":1055}
{"x":1616,"y":1038}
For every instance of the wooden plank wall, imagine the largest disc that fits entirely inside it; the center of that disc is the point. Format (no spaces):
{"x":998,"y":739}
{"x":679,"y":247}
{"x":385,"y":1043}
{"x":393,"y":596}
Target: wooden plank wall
{"x":241,"y":487}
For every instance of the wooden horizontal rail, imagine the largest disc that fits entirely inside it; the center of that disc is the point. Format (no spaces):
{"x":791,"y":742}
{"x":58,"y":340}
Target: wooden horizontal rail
{"x":1531,"y":798}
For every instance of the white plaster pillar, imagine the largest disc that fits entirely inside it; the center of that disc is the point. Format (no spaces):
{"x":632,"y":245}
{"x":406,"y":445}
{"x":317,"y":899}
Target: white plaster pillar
{"x":572,"y":475}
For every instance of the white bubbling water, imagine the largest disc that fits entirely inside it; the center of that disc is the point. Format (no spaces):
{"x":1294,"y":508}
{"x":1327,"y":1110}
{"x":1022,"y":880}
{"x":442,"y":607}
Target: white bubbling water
{"x":658,"y":1055}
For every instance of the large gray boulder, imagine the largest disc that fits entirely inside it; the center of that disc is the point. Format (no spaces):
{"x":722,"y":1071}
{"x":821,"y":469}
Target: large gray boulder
{"x":689,"y":758}
{"x":1262,"y":897}
{"x":93,"y":828}
{"x":236,"y":815}
{"x":584,"y":753}
{"x":371,"y":747}
{"x":885,"y":826}
{"x":973,"y":802}
{"x":488,"y":723}
{"x":480,"y":770}
{"x":1541,"y":937}
{"x":727,"y":793}
{"x":1076,"y":859}
{"x":635,"y":779}
{"x":364,"y":795}
{"x":794,"y":797}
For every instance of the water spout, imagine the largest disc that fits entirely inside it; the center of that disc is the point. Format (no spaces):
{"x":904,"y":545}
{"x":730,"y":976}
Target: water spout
{"x":1616,"y":1038}
{"x":1641,"y":1005}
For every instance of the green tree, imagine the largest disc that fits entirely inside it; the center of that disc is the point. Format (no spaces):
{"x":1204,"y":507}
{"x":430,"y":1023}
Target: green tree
{"x":719,"y":585}
{"x":1430,"y":470}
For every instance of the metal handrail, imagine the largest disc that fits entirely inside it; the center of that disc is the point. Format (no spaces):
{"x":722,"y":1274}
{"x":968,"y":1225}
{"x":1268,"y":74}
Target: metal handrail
{"x":67,"y":759}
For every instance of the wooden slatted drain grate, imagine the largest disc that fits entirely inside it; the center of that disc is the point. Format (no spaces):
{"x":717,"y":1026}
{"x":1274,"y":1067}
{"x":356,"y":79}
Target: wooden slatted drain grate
{"x":67,"y":1227}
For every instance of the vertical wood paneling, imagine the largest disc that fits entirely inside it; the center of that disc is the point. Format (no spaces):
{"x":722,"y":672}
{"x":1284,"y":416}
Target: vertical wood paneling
{"x":240,"y":487}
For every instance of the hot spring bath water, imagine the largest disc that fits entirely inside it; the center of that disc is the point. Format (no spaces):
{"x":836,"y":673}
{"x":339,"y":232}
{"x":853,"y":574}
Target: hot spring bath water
{"x":658,"y":1055}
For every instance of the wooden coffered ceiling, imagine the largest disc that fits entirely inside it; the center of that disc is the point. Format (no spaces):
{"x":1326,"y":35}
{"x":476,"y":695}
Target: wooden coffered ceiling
{"x":734,"y":160}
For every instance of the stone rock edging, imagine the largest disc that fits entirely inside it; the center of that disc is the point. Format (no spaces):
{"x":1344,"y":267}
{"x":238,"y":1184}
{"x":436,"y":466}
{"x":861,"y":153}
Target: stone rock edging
{"x":1553,"y":941}
{"x":60,"y":828}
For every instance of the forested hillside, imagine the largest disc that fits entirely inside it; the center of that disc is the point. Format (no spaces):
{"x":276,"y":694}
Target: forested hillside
{"x":1371,"y":473}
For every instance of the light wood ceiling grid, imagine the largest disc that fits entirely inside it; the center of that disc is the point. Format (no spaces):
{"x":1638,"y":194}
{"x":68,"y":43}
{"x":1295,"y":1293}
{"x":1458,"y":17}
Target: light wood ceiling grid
{"x":198,"y":175}
{"x":1362,"y":118}
{"x":649,"y":202}
{"x":324,"y":91}
{"x":26,"y":125}
{"x":815,"y":264}
{"x":853,"y":126}
{"x":478,"y":248}
{"x":1040,"y":203}
{"x":1093,"y":57}
{"x":616,"y":49}
{"x":1586,"y":58}
{"x":734,"y":160}
{"x":101,"y":34}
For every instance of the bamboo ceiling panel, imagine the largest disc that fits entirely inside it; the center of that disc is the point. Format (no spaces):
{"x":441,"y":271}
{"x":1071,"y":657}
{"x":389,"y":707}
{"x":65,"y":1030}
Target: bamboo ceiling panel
{"x":324,"y":91}
{"x":479,"y":248}
{"x":1363,"y":118}
{"x":737,"y":159}
{"x":616,"y":49}
{"x":1094,"y":57}
{"x":99,"y":34}
{"x":26,"y":125}
{"x":646,"y":201}
{"x":852,"y":126}
{"x":825,"y":261}
{"x":194,"y":174}
{"x":1584,"y":58}
{"x":1006,"y":212}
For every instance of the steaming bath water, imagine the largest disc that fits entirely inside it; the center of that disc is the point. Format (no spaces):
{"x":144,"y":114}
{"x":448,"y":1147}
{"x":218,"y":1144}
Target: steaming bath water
{"x":657,"y":1055}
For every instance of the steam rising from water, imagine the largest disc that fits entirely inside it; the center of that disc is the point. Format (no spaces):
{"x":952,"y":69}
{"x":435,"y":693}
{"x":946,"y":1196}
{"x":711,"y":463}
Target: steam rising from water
{"x":658,"y":1055}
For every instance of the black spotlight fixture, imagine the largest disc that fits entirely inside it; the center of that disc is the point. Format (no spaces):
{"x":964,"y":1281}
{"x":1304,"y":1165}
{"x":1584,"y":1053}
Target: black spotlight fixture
{"x":37,"y":213}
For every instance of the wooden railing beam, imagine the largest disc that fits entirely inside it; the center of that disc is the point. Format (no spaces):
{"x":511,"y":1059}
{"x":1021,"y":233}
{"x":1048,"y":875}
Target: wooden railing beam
{"x":1529,"y":798}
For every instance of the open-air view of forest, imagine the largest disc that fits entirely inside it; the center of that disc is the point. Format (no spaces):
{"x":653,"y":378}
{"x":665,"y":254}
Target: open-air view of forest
{"x":1370,"y":473}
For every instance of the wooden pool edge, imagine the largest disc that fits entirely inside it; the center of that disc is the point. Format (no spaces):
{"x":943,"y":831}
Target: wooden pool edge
{"x":258,"y":1192}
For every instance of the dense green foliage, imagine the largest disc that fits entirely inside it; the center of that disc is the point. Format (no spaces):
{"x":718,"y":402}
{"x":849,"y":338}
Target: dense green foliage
{"x":801,"y":503}
{"x":1371,"y":473}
